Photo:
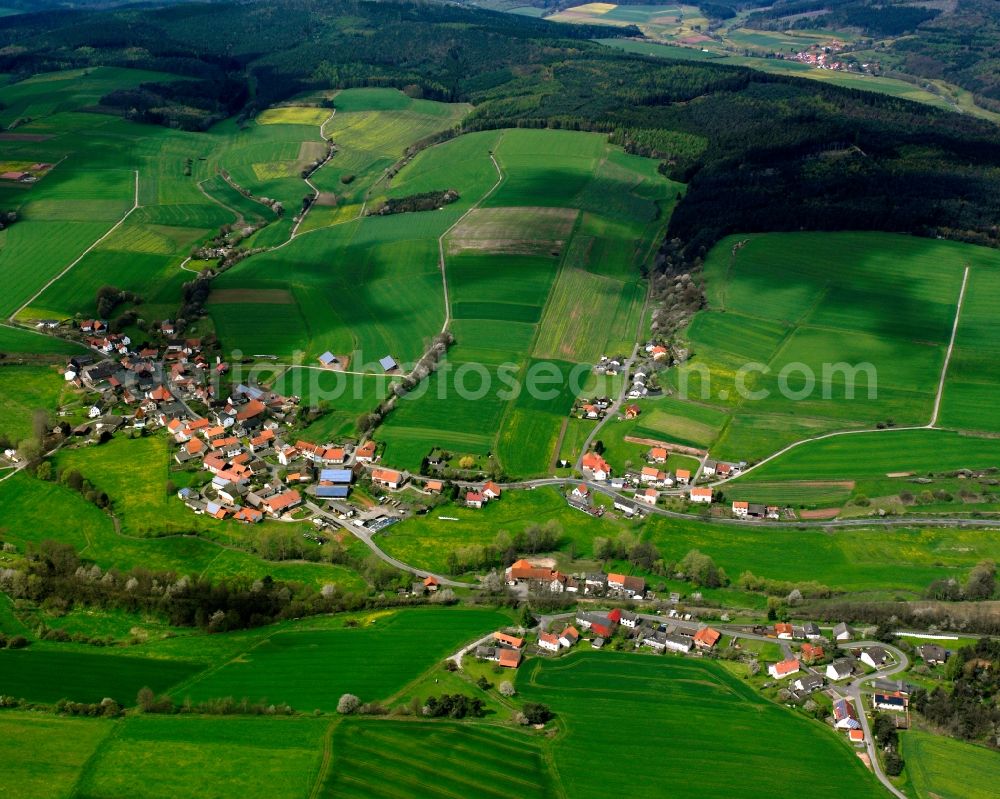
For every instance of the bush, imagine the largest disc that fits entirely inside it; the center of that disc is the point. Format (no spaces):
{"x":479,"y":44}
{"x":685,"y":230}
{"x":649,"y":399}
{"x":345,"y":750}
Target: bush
{"x":507,"y":689}
{"x":17,"y":642}
{"x":537,"y":713}
{"x":348,"y":704}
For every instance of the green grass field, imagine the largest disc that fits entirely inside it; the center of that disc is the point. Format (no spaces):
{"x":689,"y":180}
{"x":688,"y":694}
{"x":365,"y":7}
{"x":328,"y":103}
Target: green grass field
{"x":795,"y":320}
{"x":198,"y":756}
{"x":23,"y":390}
{"x":46,"y":755}
{"x":311,"y":668}
{"x":944,"y":768}
{"x":531,"y":279}
{"x":435,"y":758}
{"x":35,"y":511}
{"x":48,"y":674}
{"x":712,"y":725}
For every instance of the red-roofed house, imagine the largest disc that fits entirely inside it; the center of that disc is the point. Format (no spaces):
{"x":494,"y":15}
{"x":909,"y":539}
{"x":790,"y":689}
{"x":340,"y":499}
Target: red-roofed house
{"x":706,"y":638}
{"x":811,"y":652}
{"x":473,"y":499}
{"x":549,"y":641}
{"x":683,"y":476}
{"x":783,"y":668}
{"x":389,"y":478}
{"x":701,"y":495}
{"x":741,"y":509}
{"x":365,"y":453}
{"x":658,"y":454}
{"x":509,"y":658}
{"x":598,"y":467}
{"x":280,"y":503}
{"x":492,"y":491}
{"x":508,"y":639}
{"x":569,"y":636}
{"x":784,"y":630}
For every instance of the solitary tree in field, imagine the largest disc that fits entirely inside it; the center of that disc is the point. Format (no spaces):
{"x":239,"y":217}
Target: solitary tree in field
{"x":348,"y":704}
{"x":507,"y":689}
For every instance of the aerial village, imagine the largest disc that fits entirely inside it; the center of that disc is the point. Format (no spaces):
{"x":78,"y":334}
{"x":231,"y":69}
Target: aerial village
{"x":829,"y":673}
{"x":255,"y":465}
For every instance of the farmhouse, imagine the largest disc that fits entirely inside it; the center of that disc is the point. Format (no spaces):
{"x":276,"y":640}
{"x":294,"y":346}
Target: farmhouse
{"x":549,"y":641}
{"x":492,"y":491}
{"x":783,"y":669}
{"x":473,"y":499}
{"x":580,"y":492}
{"x":811,"y":631}
{"x":678,"y":643}
{"x":783,"y":630}
{"x":811,"y":653}
{"x":627,"y":584}
{"x":389,"y":478}
{"x":569,"y":636}
{"x":706,"y":638}
{"x":431,"y":583}
{"x":597,"y":623}
{"x":648,"y":495}
{"x":523,"y":571}
{"x":632,"y":411}
{"x":703,"y":495}
{"x":596,"y":465}
{"x":280,"y":503}
{"x":741,"y":509}
{"x":658,"y":455}
{"x":650,"y":474}
{"x":433,"y":486}
{"x":683,"y":476}
{"x":629,"y":619}
{"x":509,"y":658}
{"x":507,"y":639}
{"x":365,"y":453}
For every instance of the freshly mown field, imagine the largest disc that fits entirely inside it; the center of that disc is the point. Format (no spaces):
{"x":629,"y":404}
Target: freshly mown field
{"x":944,"y":768}
{"x":48,"y":674}
{"x":708,"y":734}
{"x":312,"y":666}
{"x":442,"y":759}
{"x":167,"y":757}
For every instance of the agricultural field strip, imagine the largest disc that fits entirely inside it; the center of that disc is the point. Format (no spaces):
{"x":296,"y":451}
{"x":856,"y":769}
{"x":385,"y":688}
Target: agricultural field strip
{"x":309,"y":183}
{"x":951,"y":347}
{"x":118,"y":224}
{"x":441,"y":238}
{"x":930,"y":425}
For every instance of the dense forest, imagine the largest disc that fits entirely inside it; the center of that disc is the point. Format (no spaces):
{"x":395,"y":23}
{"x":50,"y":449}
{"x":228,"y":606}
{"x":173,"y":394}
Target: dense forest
{"x":871,"y":17}
{"x":773,"y":152}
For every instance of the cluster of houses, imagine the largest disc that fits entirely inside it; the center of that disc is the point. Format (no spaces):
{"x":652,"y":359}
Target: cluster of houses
{"x":596,"y":584}
{"x":672,"y":636}
{"x":506,"y":649}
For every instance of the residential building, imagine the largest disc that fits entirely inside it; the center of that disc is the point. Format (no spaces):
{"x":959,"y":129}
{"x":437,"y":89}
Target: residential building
{"x":874,"y":656}
{"x":783,"y":630}
{"x":840,"y":669}
{"x":932,"y":654}
{"x":701,"y":495}
{"x":894,"y":701}
{"x":388,"y":478}
{"x":549,"y":642}
{"x":842,"y":632}
{"x":569,"y":636}
{"x":783,"y":668}
{"x":706,"y":638}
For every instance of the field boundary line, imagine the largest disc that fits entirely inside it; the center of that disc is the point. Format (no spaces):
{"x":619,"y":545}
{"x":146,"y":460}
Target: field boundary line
{"x":308,"y":182}
{"x":441,"y":256}
{"x":118,"y":224}
{"x":326,"y":761}
{"x":85,"y":768}
{"x":951,"y":348}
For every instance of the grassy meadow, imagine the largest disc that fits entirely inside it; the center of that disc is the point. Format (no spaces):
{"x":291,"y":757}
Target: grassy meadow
{"x":438,"y":758}
{"x":945,"y":768}
{"x":711,"y":724}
